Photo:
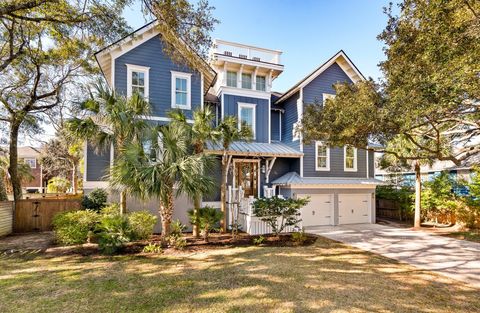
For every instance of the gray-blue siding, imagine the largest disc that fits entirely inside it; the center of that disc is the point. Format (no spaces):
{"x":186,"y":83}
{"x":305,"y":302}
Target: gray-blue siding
{"x":97,"y":164}
{"x":150,"y":54}
{"x":230,"y":106}
{"x":275,"y":125}
{"x":289,"y":118}
{"x":323,"y":83}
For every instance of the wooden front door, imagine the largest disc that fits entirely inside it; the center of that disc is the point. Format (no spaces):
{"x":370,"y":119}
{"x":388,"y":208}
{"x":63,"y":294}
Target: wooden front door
{"x":246,"y":175}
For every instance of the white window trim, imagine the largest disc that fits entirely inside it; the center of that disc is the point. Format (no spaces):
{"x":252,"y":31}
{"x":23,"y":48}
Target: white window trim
{"x":250,"y":106}
{"x":188,"y":77}
{"x":355,"y":160}
{"x":137,"y":68}
{"x":34,"y":161}
{"x":326,"y":96}
{"x":317,"y":168}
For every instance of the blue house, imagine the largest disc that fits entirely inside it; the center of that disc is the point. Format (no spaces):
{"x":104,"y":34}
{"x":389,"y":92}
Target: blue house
{"x":237,"y":80}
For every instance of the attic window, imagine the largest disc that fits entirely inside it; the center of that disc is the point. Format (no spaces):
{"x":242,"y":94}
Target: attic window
{"x":242,"y":56}
{"x":229,"y":53}
{"x":137,"y":80}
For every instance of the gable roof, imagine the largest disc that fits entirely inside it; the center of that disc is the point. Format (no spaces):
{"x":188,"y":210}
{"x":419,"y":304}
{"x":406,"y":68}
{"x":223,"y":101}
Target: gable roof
{"x":106,"y":56}
{"x":341,"y":59}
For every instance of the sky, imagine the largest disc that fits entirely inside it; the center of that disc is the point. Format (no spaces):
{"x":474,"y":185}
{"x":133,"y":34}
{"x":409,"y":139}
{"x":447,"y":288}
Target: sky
{"x":308,"y":32}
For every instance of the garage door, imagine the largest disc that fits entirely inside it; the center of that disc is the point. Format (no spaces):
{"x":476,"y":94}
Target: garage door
{"x":319,"y":211}
{"x":354,"y":208}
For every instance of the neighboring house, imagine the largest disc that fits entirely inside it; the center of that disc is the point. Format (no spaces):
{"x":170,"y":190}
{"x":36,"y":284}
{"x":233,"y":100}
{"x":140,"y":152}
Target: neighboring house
{"x":238,"y":81}
{"x":31,"y":156}
{"x":461,"y":173}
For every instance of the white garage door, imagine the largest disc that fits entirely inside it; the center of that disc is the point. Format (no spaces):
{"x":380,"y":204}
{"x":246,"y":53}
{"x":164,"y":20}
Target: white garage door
{"x":354,"y":208}
{"x":319,"y":211}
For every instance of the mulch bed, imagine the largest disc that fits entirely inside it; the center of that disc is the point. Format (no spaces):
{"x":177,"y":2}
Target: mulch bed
{"x":194,"y":245}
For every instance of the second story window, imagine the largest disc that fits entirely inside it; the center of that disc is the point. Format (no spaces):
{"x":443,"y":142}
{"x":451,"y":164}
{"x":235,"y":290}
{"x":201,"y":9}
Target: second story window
{"x":261,"y":83}
{"x":350,"y":158}
{"x":246,"y":81}
{"x":137,"y":80}
{"x":31,"y":162}
{"x":322,"y":157}
{"x":181,"y":90}
{"x":231,"y":79}
{"x":246,"y":116}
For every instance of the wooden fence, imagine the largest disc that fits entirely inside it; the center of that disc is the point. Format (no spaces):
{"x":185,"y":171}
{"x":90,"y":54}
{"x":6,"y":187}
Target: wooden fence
{"x":37,"y":214}
{"x":391,"y":209}
{"x":6,"y":218}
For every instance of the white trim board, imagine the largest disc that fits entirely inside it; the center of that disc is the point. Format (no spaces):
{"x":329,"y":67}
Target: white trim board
{"x":140,"y":69}
{"x":188,"y":78}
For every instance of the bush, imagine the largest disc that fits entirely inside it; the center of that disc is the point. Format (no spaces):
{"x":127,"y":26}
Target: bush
{"x":299,"y":237}
{"x":279,"y":213}
{"x":152,"y":248}
{"x":176,"y":238}
{"x":111,"y":209}
{"x":74,"y":227}
{"x":208,"y":218}
{"x":58,"y":185}
{"x":96,"y":200}
{"x":259,"y":240}
{"x":403,"y":196}
{"x":113,"y":233}
{"x":141,"y":224}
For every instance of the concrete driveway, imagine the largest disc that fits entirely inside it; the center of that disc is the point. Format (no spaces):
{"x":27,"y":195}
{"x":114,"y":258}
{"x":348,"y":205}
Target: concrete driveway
{"x":454,"y":258}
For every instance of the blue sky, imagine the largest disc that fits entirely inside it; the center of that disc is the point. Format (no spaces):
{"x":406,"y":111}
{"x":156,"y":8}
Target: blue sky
{"x":308,"y":32}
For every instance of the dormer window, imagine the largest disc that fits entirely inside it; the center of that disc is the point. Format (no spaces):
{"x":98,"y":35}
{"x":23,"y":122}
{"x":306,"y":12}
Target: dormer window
{"x":231,"y":79}
{"x":246,"y":81}
{"x":137,"y":80}
{"x":181,"y":90}
{"x":261,"y":85}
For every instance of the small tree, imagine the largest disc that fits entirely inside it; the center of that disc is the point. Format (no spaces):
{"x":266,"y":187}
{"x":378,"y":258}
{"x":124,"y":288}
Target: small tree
{"x":207,"y":218}
{"x":279,"y":213}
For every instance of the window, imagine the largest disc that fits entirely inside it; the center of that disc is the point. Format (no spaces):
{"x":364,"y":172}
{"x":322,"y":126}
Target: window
{"x":231,"y":79}
{"x":31,"y":162}
{"x":322,"y":157}
{"x":246,"y":81}
{"x":327,"y":96}
{"x":261,"y":83}
{"x":246,"y":116}
{"x":137,"y":80}
{"x":350,"y":154}
{"x":181,"y":90}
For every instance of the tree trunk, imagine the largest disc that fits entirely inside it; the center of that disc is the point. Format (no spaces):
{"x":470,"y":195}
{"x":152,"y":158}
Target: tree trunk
{"x":74,"y":179}
{"x":418,"y":194}
{"x":3,"y":190}
{"x":166,"y":213}
{"x":123,"y":202}
{"x":197,"y":203}
{"x":223,"y":194}
{"x":13,"y":168}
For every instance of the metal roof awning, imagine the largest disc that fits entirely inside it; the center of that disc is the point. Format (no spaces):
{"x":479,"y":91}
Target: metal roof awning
{"x":292,"y":178}
{"x":255,"y":149}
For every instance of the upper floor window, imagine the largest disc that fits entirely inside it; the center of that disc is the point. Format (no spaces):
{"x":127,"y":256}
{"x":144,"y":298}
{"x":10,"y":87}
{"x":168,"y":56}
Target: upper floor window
{"x":31,"y":162}
{"x":261,"y":83}
{"x":137,"y":80}
{"x":181,"y":90}
{"x":327,"y":96}
{"x":246,"y":81}
{"x":246,"y":116}
{"x":350,"y":157}
{"x":231,"y":79}
{"x":322,"y":157}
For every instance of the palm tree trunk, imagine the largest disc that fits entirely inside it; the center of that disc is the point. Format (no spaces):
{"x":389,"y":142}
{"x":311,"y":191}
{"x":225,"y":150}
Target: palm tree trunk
{"x":418,"y":194}
{"x":166,"y":213}
{"x":197,"y":203}
{"x":13,"y":168}
{"x":123,"y":202}
{"x":223,"y":194}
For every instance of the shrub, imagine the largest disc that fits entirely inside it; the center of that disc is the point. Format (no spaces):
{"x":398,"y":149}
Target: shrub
{"x":299,"y":237}
{"x":208,"y":218}
{"x":96,"y":200}
{"x":279,"y":213}
{"x":141,"y":224}
{"x":403,"y":196}
{"x":152,"y":248}
{"x":176,"y":238}
{"x":58,"y":184}
{"x":74,"y":227}
{"x":111,"y":209}
{"x":113,"y":232}
{"x":259,"y":240}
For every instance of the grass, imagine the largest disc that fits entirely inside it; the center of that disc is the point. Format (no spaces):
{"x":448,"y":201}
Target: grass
{"x":471,"y":235}
{"x":324,"y":277}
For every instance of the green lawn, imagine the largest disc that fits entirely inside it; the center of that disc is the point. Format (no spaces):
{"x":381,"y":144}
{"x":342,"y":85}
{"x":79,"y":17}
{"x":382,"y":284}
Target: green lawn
{"x":324,"y":277}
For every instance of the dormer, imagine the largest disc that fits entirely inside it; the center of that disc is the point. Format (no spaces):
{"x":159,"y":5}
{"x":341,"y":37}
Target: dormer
{"x":244,"y":67}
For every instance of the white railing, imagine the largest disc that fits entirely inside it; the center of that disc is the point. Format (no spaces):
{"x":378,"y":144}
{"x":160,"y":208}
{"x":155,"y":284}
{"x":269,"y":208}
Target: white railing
{"x":246,"y":52}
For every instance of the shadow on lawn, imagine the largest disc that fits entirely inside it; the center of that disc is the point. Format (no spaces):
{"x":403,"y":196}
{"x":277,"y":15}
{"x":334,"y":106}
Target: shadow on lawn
{"x":324,"y":277}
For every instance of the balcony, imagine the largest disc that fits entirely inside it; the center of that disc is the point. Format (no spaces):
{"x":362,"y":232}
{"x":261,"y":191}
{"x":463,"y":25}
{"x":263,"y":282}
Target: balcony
{"x":231,"y":50}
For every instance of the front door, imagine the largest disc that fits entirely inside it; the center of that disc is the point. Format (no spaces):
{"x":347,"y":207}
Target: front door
{"x":246,"y":176}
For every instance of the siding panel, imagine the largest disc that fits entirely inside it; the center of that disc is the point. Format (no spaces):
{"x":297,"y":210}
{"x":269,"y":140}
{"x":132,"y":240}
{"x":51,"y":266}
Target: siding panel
{"x":6,"y":218}
{"x":289,"y":118}
{"x":97,"y":164}
{"x":275,"y":125}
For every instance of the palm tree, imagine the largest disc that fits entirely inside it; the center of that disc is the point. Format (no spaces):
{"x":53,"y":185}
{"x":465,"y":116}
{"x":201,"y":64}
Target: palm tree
{"x":201,"y":131}
{"x":228,"y":133}
{"x":112,"y":121}
{"x":164,"y":172}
